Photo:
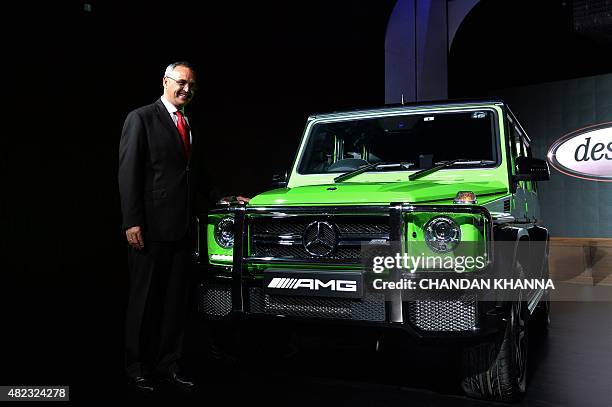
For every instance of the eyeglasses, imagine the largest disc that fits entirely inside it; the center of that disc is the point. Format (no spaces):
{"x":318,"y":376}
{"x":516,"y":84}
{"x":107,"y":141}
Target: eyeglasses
{"x":182,"y":83}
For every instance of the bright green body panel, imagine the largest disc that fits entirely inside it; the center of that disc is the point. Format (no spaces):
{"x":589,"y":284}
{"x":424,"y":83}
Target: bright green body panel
{"x":363,"y":193}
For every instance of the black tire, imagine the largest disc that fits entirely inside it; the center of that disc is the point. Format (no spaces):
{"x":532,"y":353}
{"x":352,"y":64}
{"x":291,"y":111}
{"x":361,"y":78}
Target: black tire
{"x":500,"y":376}
{"x":541,"y":315}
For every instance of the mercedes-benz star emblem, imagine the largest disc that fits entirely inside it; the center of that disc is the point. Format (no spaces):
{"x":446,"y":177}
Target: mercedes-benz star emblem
{"x":319,"y":238}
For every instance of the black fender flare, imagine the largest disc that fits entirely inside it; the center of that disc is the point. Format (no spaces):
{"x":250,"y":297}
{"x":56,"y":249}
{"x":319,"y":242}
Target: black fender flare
{"x":539,"y":249}
{"x":507,"y":238}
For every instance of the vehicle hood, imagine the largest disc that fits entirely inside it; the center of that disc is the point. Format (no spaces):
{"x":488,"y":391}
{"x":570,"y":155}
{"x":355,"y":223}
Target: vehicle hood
{"x":417,"y":191}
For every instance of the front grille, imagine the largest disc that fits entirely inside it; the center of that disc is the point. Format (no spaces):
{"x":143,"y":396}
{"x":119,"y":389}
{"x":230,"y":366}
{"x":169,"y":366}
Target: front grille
{"x":371,"y":308}
{"x":443,"y":315}
{"x":215,"y":300}
{"x":364,"y":228}
{"x":298,"y":252}
{"x":286,"y":238}
{"x":297,"y":225}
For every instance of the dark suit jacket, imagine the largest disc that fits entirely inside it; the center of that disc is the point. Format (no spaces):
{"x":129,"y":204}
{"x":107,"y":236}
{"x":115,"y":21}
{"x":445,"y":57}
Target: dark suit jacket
{"x":156,"y":180}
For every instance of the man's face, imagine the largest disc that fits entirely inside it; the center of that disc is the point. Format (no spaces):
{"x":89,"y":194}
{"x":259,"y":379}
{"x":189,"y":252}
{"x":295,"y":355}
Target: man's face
{"x":180,"y":86}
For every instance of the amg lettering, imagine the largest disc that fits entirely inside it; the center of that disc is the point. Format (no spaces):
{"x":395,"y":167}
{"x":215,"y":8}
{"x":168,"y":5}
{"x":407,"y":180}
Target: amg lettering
{"x":313,"y":284}
{"x":304,"y":283}
{"x":320,"y":284}
{"x":346,"y":285}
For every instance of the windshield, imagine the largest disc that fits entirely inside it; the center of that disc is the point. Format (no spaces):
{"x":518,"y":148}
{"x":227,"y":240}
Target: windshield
{"x":418,"y":141}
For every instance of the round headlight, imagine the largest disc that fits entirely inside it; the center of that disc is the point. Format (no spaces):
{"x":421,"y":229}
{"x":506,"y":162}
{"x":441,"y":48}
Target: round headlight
{"x":442,"y":234}
{"x":224,"y":232}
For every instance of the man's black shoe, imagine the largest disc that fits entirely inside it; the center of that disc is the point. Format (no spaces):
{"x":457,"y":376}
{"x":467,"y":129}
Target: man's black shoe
{"x":180,"y":382}
{"x":141,"y":384}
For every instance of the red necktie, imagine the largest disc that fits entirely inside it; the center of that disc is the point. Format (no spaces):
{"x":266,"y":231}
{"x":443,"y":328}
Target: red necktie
{"x":183,"y":129}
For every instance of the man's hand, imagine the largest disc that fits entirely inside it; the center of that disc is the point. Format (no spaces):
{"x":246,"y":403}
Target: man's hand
{"x":242,"y":199}
{"x":134,"y":237}
{"x":227,"y":200}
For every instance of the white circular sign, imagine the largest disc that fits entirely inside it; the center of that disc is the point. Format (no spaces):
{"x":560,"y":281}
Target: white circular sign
{"x":584,"y":153}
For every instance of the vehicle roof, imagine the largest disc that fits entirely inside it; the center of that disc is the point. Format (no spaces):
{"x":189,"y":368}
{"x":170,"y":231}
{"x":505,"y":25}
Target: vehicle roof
{"x":410,"y":107}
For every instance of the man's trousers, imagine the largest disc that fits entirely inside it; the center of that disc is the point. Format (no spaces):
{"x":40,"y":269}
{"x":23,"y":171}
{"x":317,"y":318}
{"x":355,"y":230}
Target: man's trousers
{"x":160,"y":284}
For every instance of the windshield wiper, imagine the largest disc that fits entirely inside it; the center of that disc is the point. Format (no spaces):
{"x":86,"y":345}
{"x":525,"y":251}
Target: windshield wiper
{"x":368,"y":167}
{"x":445,"y":164}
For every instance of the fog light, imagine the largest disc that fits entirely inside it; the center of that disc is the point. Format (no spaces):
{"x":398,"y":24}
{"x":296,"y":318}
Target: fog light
{"x":221,"y":257}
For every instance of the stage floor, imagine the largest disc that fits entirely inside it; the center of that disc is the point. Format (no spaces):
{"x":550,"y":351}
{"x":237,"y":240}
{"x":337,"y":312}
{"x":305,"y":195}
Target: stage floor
{"x":571,"y":366}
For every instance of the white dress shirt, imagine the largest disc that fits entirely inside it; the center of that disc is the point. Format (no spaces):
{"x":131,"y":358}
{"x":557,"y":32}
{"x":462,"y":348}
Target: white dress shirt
{"x":172,"y":111}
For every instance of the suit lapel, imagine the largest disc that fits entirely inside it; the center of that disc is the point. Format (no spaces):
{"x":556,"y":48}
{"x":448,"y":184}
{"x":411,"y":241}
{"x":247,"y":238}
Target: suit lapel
{"x":194,"y":141}
{"x":164,"y":117}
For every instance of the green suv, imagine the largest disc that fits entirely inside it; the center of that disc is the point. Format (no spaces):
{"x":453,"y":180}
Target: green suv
{"x":369,"y":187}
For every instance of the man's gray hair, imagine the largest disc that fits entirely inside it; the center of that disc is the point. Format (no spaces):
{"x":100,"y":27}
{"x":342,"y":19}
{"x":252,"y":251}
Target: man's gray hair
{"x":170,"y":68}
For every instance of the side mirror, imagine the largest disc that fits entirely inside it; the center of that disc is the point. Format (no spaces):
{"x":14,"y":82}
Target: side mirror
{"x":279,"y":179}
{"x":531,"y":169}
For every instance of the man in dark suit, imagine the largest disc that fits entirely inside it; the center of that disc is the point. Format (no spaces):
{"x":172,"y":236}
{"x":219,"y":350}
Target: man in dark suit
{"x":157,"y":158}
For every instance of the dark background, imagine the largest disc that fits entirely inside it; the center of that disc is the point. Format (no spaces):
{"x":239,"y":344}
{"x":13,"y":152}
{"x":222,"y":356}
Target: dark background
{"x":72,"y":76}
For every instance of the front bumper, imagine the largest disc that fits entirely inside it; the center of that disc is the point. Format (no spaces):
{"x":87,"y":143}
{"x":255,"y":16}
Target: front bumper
{"x":457,"y":316}
{"x":238,"y":293}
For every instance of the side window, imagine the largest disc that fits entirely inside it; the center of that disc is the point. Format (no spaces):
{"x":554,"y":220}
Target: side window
{"x":515,"y":140}
{"x":518,"y":141}
{"x":531,"y":185}
{"x":526,"y":147}
{"x":520,"y":148}
{"x":523,"y":149}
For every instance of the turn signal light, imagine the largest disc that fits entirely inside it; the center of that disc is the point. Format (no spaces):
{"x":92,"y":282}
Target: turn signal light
{"x":465,"y":197}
